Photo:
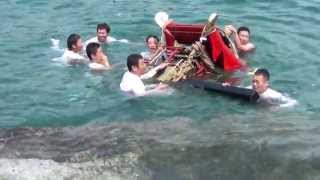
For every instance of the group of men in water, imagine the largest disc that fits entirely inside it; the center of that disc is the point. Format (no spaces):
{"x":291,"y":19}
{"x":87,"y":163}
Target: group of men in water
{"x":89,"y":52}
{"x":132,"y":83}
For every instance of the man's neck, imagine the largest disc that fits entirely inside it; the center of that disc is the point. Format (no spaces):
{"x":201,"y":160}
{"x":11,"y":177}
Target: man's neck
{"x":264,"y":90}
{"x":102,"y":42}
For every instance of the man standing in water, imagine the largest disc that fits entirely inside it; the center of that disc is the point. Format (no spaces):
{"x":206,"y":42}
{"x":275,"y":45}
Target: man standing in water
{"x":260,"y":83}
{"x":73,"y":55}
{"x":99,"y":61}
{"x":102,"y":37}
{"x":131,"y":82}
{"x":241,"y":38}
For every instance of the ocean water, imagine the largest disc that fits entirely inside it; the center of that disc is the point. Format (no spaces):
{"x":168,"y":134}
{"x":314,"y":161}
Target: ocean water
{"x":71,"y":117}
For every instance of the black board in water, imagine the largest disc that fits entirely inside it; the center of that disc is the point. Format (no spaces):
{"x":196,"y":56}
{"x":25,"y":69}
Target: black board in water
{"x":233,"y":91}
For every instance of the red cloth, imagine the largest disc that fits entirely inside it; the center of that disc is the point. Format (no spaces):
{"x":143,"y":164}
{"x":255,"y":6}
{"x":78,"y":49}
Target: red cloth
{"x":220,"y":54}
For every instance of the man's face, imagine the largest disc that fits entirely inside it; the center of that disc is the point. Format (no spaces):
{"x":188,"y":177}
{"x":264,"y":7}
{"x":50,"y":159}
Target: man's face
{"x":102,"y":35}
{"x":78,"y":46}
{"x":259,"y":84}
{"x":141,"y":68}
{"x":152,"y":44}
{"x":244,"y":37}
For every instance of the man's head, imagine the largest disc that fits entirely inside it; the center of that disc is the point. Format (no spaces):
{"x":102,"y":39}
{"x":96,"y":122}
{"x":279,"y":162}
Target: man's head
{"x":103,"y":30}
{"x":136,"y":64}
{"x":152,"y":42}
{"x":94,"y":51}
{"x":74,"y":43}
{"x":244,"y":35}
{"x":260,"y":81}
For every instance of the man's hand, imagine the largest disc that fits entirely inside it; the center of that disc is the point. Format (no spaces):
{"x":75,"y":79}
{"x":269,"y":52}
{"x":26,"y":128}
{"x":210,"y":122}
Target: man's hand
{"x":230,"y":29}
{"x":163,"y":65}
{"x":160,"y":48}
{"x":226,"y":84}
{"x":162,"y":86}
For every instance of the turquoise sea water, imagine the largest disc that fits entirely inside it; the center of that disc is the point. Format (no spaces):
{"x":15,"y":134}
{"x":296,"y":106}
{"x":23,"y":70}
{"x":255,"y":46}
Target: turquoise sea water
{"x":38,"y":93}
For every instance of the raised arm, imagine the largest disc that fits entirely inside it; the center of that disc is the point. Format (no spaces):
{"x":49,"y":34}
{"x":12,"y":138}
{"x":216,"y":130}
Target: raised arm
{"x":242,"y":47}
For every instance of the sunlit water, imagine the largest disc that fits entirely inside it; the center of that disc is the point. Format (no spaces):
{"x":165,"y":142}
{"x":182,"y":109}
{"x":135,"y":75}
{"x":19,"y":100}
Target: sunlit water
{"x":210,"y":136}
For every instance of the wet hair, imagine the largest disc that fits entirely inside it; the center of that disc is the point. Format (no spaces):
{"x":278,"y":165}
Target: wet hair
{"x":243,"y":28}
{"x":263,"y":72}
{"x":152,"y":36}
{"x":104,"y":26}
{"x":72,"y":40}
{"x":133,"y":60}
{"x":92,"y":48}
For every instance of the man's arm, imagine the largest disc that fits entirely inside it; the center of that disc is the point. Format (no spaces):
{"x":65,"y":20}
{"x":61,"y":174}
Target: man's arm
{"x":106,"y":61}
{"x":245,"y":48}
{"x":287,"y":101}
{"x":153,"y":71}
{"x":75,"y":58}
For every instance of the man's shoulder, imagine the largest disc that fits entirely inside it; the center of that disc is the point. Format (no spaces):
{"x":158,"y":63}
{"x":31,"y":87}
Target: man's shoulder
{"x":66,"y":52}
{"x":275,"y":97}
{"x":111,"y":39}
{"x":131,"y":76}
{"x":272,"y":93}
{"x":72,"y":55}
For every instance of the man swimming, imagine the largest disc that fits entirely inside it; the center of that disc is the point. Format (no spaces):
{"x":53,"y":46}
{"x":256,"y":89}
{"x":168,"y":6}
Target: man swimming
{"x":99,"y":61}
{"x":131,"y":82}
{"x":73,"y":55}
{"x":260,"y":83}
{"x":241,"y":38}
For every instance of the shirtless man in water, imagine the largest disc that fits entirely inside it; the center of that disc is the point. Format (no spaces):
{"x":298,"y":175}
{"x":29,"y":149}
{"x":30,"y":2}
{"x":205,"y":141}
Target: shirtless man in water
{"x":241,"y":38}
{"x":98,"y":60}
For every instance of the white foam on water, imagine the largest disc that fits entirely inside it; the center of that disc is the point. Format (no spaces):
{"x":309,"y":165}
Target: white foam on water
{"x":60,"y":61}
{"x":55,"y":45}
{"x":163,"y":92}
{"x":291,"y":103}
{"x":112,"y":39}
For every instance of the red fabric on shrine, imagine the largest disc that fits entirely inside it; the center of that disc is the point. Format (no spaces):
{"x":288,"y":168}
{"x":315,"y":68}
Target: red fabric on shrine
{"x":221,"y":54}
